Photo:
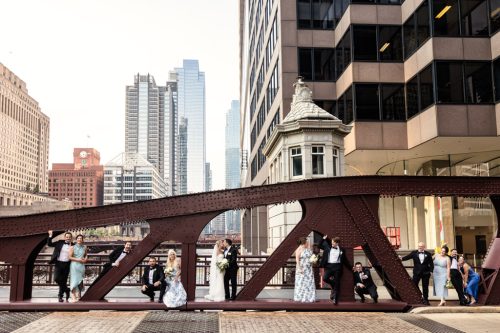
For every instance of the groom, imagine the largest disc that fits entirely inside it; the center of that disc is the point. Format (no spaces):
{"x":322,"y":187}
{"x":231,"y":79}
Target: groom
{"x":231,"y":254}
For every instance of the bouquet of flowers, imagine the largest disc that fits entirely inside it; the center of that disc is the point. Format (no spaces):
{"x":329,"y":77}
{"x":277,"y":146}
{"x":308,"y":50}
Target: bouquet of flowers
{"x":169,"y":272}
{"x":314,"y":259}
{"x":222,"y":265}
{"x":449,"y":285}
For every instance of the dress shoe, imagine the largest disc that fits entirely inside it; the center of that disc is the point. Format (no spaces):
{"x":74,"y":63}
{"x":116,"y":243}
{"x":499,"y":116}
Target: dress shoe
{"x":61,"y":299}
{"x":67,"y":294}
{"x":426,"y":302}
{"x":362,"y":299}
{"x":151,"y":299}
{"x":375,"y":300}
{"x":335,"y":301}
{"x":233,"y":298}
{"x":160,"y":300}
{"x":332,"y":294}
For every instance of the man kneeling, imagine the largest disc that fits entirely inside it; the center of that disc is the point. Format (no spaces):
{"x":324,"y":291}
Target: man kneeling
{"x":363,"y":283}
{"x":153,"y":279}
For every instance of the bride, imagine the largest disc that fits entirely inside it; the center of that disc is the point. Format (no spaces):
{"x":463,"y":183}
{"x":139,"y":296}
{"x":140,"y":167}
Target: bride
{"x":216,"y":290}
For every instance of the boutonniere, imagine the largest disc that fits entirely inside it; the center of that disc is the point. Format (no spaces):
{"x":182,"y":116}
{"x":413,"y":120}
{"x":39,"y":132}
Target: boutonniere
{"x":229,"y":253}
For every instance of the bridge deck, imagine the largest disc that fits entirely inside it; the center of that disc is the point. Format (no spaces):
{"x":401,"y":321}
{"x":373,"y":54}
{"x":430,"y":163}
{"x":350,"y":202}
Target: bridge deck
{"x":128,"y":304}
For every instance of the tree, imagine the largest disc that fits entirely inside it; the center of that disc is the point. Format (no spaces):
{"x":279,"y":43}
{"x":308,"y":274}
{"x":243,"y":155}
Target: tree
{"x":28,"y":187}
{"x":36,"y":189}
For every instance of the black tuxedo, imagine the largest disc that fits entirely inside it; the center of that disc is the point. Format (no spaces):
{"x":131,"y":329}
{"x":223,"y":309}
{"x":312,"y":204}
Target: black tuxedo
{"x":231,"y":272}
{"x":457,"y":281}
{"x":421,"y":270}
{"x":61,"y":268}
{"x":158,"y":275}
{"x":113,"y":256}
{"x":333,"y":269}
{"x":369,"y":285}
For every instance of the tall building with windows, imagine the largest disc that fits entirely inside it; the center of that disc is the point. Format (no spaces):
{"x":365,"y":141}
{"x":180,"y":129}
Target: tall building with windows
{"x":24,"y":143}
{"x":233,"y":167}
{"x":191,"y":111}
{"x":417,"y":80}
{"x":80,"y":182}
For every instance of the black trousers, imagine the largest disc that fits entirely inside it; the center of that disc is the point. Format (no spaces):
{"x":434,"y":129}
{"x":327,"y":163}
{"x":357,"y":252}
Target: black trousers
{"x":335,"y":271}
{"x":150,"y":290}
{"x":425,"y":277}
{"x":456,"y":280}
{"x":372,"y":291}
{"x":61,"y":272}
{"x":230,"y":275}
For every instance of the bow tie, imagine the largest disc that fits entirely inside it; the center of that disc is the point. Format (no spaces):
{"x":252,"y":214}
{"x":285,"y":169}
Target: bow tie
{"x":125,"y":252}
{"x":67,"y":242}
{"x":336,"y":248}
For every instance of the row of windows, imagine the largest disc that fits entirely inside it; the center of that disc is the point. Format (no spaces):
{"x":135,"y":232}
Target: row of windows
{"x":259,"y":158}
{"x":442,"y":82}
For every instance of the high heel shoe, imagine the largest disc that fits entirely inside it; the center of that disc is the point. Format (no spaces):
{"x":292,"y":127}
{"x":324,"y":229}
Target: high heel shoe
{"x":442,"y":303}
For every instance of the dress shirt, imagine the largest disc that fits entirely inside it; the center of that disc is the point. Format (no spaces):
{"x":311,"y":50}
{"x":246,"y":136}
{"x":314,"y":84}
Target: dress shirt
{"x":421,"y":256}
{"x":454,"y":263}
{"x":64,"y":254}
{"x":122,"y":255}
{"x":151,"y":272}
{"x":334,"y":256}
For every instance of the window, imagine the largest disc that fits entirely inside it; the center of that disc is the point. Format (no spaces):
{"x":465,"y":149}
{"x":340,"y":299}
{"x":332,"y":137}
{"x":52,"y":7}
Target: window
{"x":328,"y":106}
{"x":494,"y":15}
{"x":390,"y":43}
{"x":317,"y":64}
{"x":273,"y":86}
{"x":315,"y":14}
{"x":367,"y":107}
{"x":336,"y":162}
{"x":412,"y":97}
{"x":445,"y":17}
{"x":416,"y":29}
{"x":343,"y":53}
{"x":426,"y":88}
{"x":474,"y":20}
{"x":449,"y":82}
{"x":318,"y":153}
{"x":364,"y":42}
{"x":296,"y":157}
{"x":478,"y":85}
{"x":496,"y":72}
{"x":393,"y":102}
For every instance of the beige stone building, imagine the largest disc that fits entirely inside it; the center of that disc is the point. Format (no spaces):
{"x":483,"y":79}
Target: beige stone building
{"x":24,"y":143}
{"x":416,"y":81}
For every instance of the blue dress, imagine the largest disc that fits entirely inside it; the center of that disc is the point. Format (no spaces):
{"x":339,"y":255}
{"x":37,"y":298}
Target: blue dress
{"x":305,"y":289}
{"x":472,"y":282}
{"x":440,"y":275}
{"x":176,"y":295}
{"x":77,"y":269}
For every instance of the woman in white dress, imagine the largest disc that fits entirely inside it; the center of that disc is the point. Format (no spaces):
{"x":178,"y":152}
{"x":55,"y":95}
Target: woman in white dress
{"x":305,"y":288}
{"x":216,"y":283}
{"x":176,"y":295}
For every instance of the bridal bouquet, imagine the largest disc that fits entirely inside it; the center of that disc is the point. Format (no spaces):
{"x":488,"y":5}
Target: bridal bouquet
{"x":169,"y":272}
{"x":314,"y":259}
{"x":222,"y":265}
{"x":449,"y":285}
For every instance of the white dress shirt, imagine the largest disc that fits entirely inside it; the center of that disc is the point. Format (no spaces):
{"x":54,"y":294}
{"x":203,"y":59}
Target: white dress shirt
{"x":454,"y":263}
{"x":64,"y":254}
{"x":122,"y":255}
{"x":334,"y":255}
{"x":421,"y":256}
{"x":151,"y":272}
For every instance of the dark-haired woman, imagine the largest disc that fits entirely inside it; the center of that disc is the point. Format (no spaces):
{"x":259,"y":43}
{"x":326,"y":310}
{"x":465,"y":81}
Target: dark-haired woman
{"x":441,"y":274}
{"x":305,"y":289}
{"x":78,"y":257}
{"x":471,"y":280}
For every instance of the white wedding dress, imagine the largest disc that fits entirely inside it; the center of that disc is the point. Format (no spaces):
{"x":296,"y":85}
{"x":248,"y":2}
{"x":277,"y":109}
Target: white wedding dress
{"x":216,"y":291}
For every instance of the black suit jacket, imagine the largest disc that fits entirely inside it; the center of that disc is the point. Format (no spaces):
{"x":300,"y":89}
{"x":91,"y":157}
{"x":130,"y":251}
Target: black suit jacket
{"x":326,"y":246}
{"x":426,"y":268}
{"x":113,"y":256}
{"x":232,"y":257}
{"x":57,"y":248}
{"x":158,"y":275}
{"x":367,"y":282}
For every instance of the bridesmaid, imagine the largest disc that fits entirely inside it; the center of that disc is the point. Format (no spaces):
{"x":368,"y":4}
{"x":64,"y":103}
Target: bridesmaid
{"x":305,"y":289}
{"x":78,"y":258}
{"x":471,"y":279}
{"x":441,"y":274}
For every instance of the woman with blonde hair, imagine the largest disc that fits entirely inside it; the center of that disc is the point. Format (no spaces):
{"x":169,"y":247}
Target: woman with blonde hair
{"x":176,"y":295}
{"x":216,"y":291}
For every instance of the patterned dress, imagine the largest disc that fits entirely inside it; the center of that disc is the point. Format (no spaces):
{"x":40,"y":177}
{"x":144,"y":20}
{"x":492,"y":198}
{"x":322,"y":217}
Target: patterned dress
{"x":305,"y":289}
{"x":176,"y":295}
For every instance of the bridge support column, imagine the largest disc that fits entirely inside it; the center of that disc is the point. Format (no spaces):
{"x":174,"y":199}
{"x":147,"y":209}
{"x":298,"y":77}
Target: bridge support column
{"x":490,"y":273}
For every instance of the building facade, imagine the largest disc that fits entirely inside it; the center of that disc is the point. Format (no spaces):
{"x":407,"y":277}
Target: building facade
{"x":191,"y":113}
{"x":80,"y":182}
{"x":24,"y":143}
{"x":233,"y":165}
{"x":415,"y":79}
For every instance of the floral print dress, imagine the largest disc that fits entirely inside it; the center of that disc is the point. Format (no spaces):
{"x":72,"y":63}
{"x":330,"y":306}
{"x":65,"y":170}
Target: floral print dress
{"x":305,"y":289}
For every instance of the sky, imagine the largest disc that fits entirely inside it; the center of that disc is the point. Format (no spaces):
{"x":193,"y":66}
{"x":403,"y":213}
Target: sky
{"x":77,"y":56}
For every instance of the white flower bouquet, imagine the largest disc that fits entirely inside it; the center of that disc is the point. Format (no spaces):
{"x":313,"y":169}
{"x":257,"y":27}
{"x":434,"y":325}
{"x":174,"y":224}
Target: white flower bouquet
{"x":222,"y":265}
{"x":314,"y":259}
{"x":169,"y":272}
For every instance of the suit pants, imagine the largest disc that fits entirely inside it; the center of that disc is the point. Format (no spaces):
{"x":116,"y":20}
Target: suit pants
{"x":456,"y":280}
{"x":371,"y":290}
{"x":335,"y":271}
{"x":425,"y":277}
{"x":230,"y":275}
{"x":150,"y":290}
{"x":61,"y":272}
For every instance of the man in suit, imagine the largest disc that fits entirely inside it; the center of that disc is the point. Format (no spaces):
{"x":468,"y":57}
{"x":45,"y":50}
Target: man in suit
{"x":153,"y":279}
{"x":363,"y":283}
{"x":231,"y":254}
{"x":456,"y":277}
{"x":114,"y":259}
{"x":60,"y":259}
{"x":423,"y":265}
{"x":333,"y":258}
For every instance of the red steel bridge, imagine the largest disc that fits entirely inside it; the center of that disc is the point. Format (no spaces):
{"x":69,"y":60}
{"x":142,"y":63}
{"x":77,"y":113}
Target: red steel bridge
{"x":346,"y":207}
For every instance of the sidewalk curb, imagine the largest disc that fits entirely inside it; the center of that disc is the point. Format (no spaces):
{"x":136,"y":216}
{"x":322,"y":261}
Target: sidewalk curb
{"x":456,"y":309}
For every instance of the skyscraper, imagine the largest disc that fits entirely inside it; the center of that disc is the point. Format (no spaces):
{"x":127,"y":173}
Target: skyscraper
{"x":24,"y":143}
{"x":232,"y":143}
{"x":191,"y":111}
